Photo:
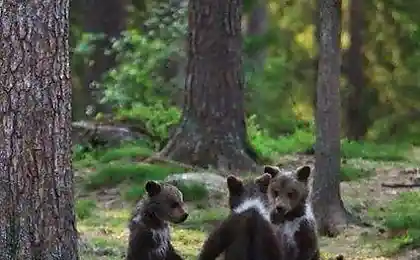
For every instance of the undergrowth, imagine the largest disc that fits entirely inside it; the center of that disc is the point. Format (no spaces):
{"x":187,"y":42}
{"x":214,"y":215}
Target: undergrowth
{"x":401,"y":218}
{"x":351,"y":173}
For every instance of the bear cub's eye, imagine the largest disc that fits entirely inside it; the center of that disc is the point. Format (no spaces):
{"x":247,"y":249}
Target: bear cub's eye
{"x":174,"y":205}
{"x":275,"y":193}
{"x":292,"y":194}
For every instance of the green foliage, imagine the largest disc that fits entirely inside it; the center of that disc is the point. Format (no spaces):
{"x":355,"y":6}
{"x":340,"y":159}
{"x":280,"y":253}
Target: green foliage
{"x":404,"y":214}
{"x":193,"y":191}
{"x":157,"y":117}
{"x":133,"y":192}
{"x":372,"y":151}
{"x":136,"y":78}
{"x":270,"y":95}
{"x":350,"y":173}
{"x":115,"y":173}
{"x":269,"y":147}
{"x":84,"y":208}
{"x":126,"y":152}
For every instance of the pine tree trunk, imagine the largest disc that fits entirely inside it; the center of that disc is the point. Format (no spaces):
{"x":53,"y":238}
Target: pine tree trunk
{"x":357,"y":118}
{"x":328,"y":206}
{"x":257,"y":26}
{"x":36,"y":180}
{"x":213,"y":130}
{"x":107,"y":17}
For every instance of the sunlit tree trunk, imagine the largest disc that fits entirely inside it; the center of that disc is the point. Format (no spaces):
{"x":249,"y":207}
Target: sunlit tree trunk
{"x":212,"y":131}
{"x":37,"y":218}
{"x":328,"y":206}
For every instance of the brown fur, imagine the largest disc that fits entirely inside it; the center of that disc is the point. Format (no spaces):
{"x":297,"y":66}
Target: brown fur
{"x":292,"y":213}
{"x":247,"y":233}
{"x":149,"y":237}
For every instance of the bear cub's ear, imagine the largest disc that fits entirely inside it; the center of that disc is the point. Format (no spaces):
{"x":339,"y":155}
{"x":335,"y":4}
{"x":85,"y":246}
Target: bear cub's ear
{"x":272,"y":170}
{"x":153,"y":188}
{"x":235,"y":185}
{"x":263,"y":182}
{"x":303,"y":173}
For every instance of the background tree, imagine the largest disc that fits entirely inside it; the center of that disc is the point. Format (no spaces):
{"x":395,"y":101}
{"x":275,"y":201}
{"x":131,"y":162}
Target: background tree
{"x":213,"y":130}
{"x":256,"y":31}
{"x":105,"y":19}
{"x":36,"y":179}
{"x":328,"y":206}
{"x":358,"y":96}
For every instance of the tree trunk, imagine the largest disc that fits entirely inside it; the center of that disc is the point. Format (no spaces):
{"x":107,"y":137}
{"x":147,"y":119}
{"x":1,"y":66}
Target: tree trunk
{"x":328,"y":206}
{"x":36,"y":179}
{"x":213,"y":131}
{"x":257,"y":27}
{"x":357,"y":116}
{"x":107,"y":17}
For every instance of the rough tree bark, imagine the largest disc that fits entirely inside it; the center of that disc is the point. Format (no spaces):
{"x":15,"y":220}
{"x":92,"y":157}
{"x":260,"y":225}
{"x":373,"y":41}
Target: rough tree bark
{"x":36,"y":179}
{"x":109,"y":18}
{"x":328,"y":206}
{"x":212,"y":131}
{"x":357,"y":118}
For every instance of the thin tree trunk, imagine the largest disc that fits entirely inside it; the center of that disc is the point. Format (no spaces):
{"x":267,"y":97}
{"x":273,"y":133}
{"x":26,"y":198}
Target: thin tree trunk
{"x":212,"y":131}
{"x":257,"y":26}
{"x":357,"y":117}
{"x":107,"y":17}
{"x":328,"y":206}
{"x":36,"y":180}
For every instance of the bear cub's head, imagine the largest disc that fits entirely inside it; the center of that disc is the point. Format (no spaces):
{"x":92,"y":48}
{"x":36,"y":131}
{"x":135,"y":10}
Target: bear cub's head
{"x":251,"y":190}
{"x":288,"y":193}
{"x":166,"y":202}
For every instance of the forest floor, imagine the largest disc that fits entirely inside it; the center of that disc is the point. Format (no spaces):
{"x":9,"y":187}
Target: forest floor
{"x":394,"y":218}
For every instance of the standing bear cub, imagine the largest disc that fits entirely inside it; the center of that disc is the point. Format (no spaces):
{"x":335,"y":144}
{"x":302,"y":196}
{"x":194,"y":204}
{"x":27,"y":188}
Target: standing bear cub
{"x":149,"y":237}
{"x":247,"y":233}
{"x":292,"y":213}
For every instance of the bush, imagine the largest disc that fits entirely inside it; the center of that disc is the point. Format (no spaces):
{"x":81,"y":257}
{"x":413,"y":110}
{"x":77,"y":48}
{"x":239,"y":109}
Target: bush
{"x":371,"y":151}
{"x":126,"y":152}
{"x":349,"y":173}
{"x":269,"y":147}
{"x":403,"y":214}
{"x":84,"y":208}
{"x":193,"y":192}
{"x":116,"y":173}
{"x":157,"y":117}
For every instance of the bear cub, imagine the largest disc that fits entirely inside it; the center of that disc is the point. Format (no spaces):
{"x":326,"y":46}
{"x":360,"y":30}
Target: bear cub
{"x":292,"y":212}
{"x":247,"y":233}
{"x":149,"y":237}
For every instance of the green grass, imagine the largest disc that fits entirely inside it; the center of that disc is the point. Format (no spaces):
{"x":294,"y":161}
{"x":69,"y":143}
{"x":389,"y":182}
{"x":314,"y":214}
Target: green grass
{"x":371,"y":151}
{"x":126,"y":152}
{"x":403,"y":215}
{"x":300,"y":141}
{"x":105,"y":233}
{"x":84,"y":208}
{"x":193,"y":191}
{"x":272,"y":148}
{"x":351,"y":173}
{"x":116,"y":173}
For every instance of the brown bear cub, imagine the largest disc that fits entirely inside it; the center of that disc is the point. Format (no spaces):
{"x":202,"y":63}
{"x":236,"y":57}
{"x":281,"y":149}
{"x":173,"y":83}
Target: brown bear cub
{"x":247,"y":233}
{"x":292,"y":213}
{"x":149,"y":237}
